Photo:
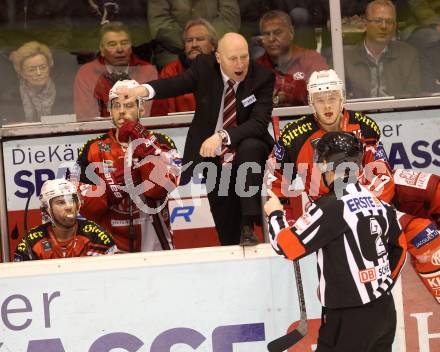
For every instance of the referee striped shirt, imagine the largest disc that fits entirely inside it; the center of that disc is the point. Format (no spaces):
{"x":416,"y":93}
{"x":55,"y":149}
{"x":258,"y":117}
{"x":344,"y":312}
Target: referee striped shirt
{"x":360,"y":246}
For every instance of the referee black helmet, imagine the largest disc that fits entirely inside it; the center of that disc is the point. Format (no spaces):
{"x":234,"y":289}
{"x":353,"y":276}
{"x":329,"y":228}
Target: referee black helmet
{"x":338,"y":148}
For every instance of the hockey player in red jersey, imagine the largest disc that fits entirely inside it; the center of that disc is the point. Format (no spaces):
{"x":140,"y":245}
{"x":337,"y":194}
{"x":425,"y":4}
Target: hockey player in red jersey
{"x":126,"y":175}
{"x":62,"y":235}
{"x":415,"y":193}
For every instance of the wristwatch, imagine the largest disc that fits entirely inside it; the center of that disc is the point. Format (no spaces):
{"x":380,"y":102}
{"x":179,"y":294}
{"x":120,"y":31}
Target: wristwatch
{"x":224,"y":136}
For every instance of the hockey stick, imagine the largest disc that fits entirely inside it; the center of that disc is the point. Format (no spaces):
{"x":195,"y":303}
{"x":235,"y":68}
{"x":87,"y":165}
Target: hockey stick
{"x":266,"y":184}
{"x":131,"y":232}
{"x":160,"y":227}
{"x":284,"y":342}
{"x":25,"y":227}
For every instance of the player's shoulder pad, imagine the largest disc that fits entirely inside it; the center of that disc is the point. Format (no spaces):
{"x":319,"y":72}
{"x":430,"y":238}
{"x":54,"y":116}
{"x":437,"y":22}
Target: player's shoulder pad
{"x":295,"y":130}
{"x":369,"y":127}
{"x":36,"y":234}
{"x":92,"y":230}
{"x":86,"y":146}
{"x":164,"y":140}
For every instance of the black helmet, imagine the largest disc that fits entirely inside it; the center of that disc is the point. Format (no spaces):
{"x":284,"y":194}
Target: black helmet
{"x":339,"y":147}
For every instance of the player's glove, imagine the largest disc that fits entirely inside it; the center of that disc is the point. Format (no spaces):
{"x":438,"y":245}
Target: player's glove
{"x":115,"y":182}
{"x":119,"y":176}
{"x":134,"y":131}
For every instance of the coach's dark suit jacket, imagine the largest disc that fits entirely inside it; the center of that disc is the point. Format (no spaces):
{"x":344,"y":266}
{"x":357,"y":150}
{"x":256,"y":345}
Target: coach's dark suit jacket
{"x":204,"y":79}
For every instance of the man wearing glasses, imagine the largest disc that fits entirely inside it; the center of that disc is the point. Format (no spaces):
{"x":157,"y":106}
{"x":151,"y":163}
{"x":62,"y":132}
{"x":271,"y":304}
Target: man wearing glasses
{"x":291,"y":64}
{"x":381,"y":66}
{"x":199,"y":37}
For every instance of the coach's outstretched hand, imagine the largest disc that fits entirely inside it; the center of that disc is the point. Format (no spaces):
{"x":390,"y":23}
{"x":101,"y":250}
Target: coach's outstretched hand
{"x":126,"y":93}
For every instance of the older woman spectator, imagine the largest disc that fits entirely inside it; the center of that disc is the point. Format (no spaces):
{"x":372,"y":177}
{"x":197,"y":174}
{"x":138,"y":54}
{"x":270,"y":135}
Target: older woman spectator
{"x":33,"y":62}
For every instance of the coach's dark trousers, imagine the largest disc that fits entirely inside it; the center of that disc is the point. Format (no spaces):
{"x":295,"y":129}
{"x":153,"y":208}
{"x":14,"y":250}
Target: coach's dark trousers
{"x":227,"y":207}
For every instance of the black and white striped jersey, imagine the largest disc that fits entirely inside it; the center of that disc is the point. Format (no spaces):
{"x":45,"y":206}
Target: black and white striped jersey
{"x":359,"y":243}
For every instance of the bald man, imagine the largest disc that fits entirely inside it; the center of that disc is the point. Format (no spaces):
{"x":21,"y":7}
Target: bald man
{"x":234,"y":194}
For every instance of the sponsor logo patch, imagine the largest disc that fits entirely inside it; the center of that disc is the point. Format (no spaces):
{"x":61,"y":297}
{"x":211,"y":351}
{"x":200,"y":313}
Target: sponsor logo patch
{"x":295,"y":130}
{"x":367,"y":275}
{"x":435,"y":259}
{"x":299,"y":76}
{"x":380,"y":153}
{"x":46,"y":246}
{"x":278,"y":151}
{"x":105,"y":147}
{"x":427,"y":235}
{"x":358,"y":203}
{"x":412,"y":178}
{"x":434,"y":282}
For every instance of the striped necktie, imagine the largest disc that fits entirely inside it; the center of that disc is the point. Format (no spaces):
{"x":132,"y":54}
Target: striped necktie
{"x":229,"y":119}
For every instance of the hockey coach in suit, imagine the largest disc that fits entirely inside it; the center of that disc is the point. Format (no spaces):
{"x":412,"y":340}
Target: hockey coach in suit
{"x":233,"y":111}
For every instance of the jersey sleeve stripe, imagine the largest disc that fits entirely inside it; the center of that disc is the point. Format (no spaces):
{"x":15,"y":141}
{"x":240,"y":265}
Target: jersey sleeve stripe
{"x":290,"y":244}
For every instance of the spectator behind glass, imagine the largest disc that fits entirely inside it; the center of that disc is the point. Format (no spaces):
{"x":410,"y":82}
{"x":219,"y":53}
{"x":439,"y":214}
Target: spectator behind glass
{"x":307,"y":15}
{"x":115,"y":62}
{"x":250,"y":14}
{"x":380,"y":65}
{"x":291,"y":64}
{"x":36,"y":89}
{"x":167,"y":19}
{"x":422,"y":31}
{"x":199,"y":37}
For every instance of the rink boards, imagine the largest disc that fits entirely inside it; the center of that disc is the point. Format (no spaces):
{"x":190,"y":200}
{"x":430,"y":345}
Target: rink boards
{"x":218,"y":299}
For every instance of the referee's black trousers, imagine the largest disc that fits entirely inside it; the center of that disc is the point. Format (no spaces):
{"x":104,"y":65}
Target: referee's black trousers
{"x":368,"y":328}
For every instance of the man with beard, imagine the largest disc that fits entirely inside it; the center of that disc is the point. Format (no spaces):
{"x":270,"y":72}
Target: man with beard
{"x":115,"y":62}
{"x":199,"y":37}
{"x":62,"y":235}
{"x":129,"y":198}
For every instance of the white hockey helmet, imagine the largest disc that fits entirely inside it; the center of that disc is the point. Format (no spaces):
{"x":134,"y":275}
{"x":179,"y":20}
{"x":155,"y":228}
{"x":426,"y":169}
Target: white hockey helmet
{"x":128,"y":83}
{"x":55,"y":188}
{"x":325,"y":81}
